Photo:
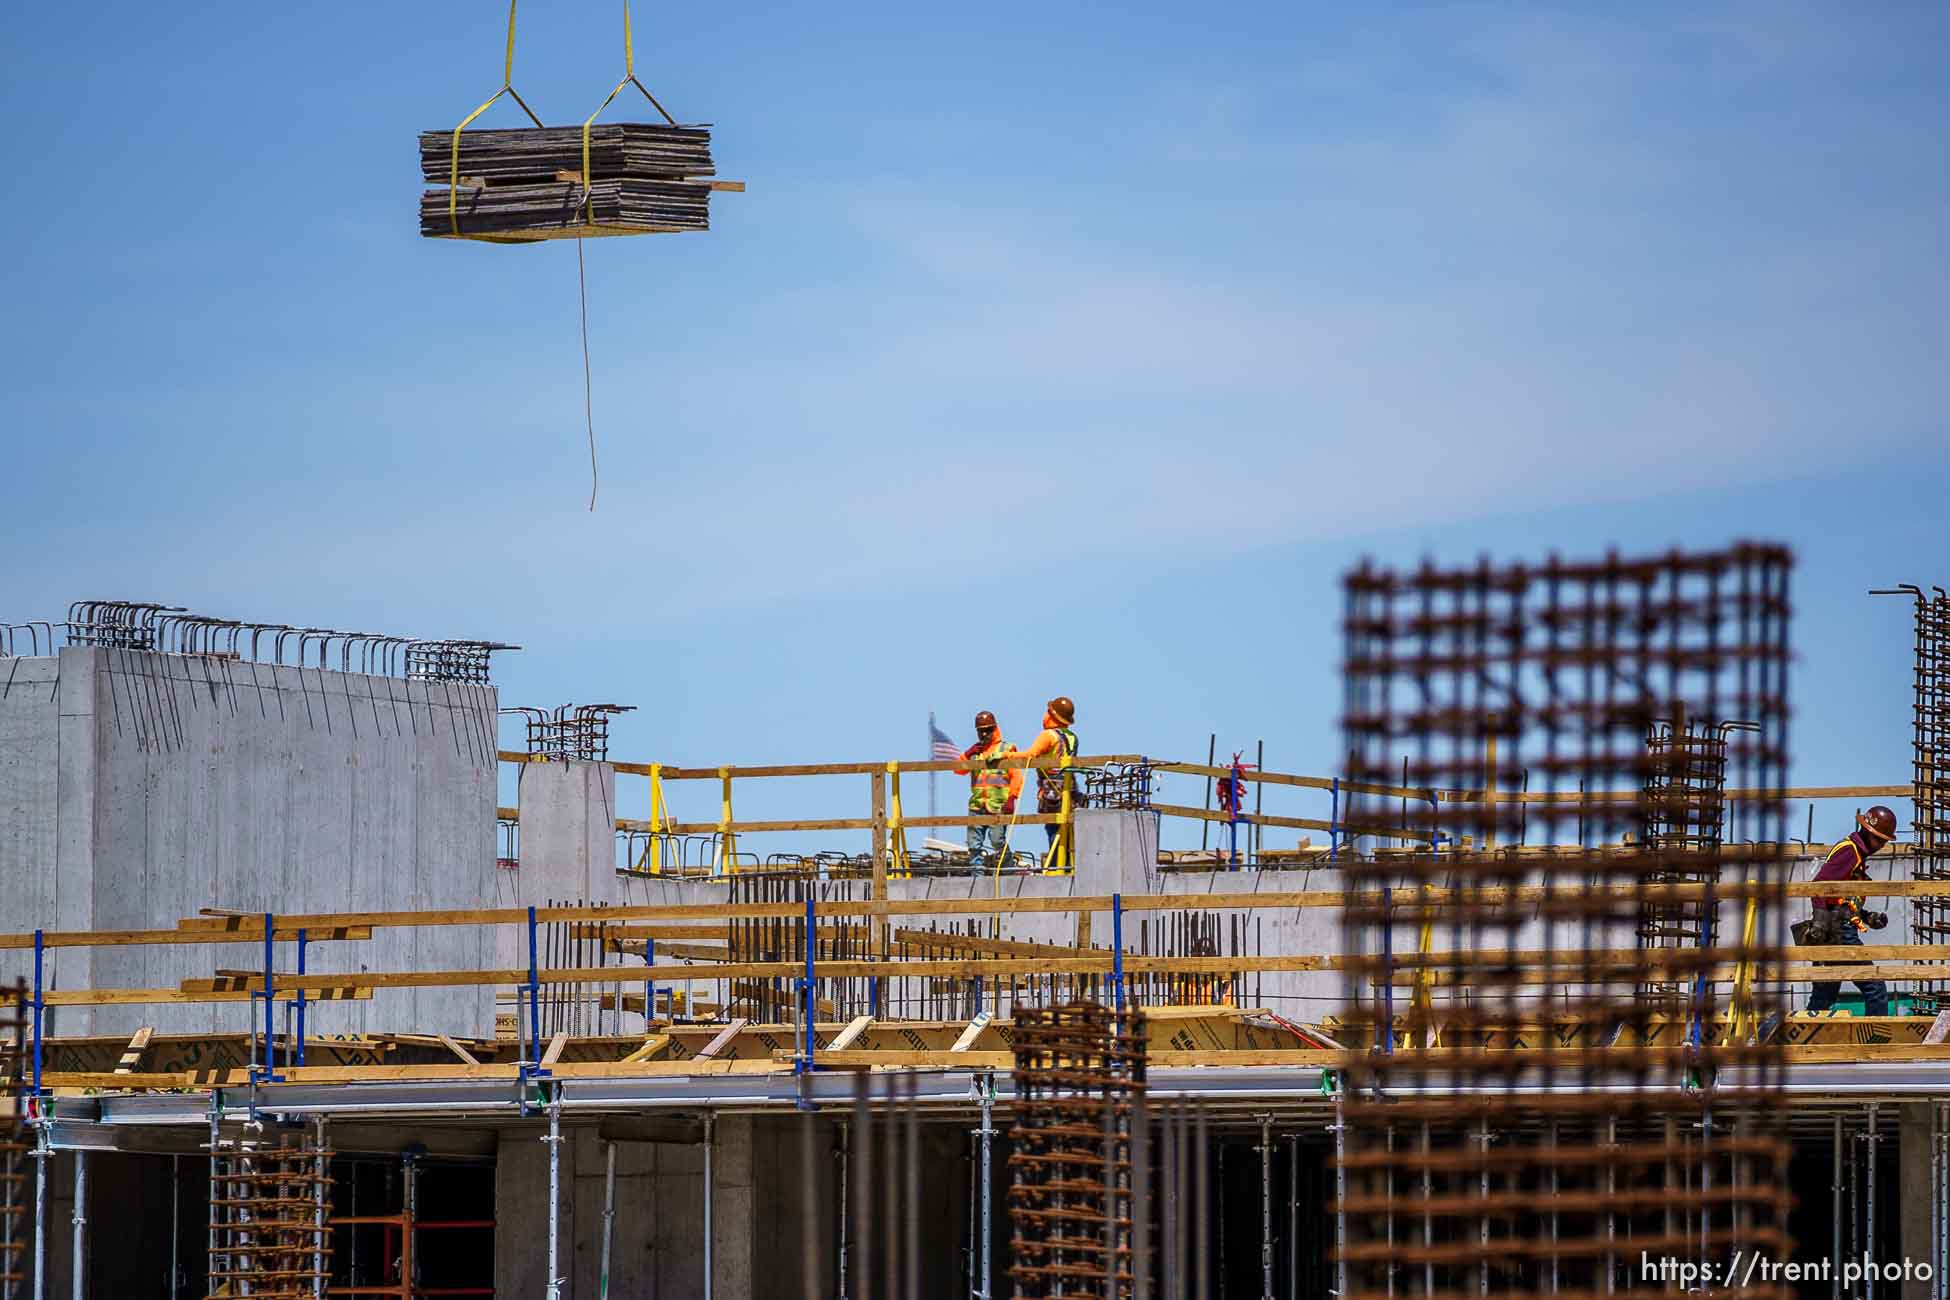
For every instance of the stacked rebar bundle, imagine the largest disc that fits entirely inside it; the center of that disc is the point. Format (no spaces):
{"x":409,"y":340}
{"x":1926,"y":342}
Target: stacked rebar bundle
{"x":1079,"y":1081}
{"x":1518,"y":691}
{"x":1930,"y":765}
{"x":269,"y":1233}
{"x":527,"y":184}
{"x":1683,"y":798}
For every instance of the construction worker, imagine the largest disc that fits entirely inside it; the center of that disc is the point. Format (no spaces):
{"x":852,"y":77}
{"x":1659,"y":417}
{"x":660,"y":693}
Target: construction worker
{"x":1841,"y":919}
{"x":992,"y":791}
{"x":1056,"y":740}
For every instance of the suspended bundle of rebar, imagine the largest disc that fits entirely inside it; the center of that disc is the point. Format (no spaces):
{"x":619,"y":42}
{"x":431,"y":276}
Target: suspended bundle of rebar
{"x":1078,"y":1075}
{"x":269,"y":1234}
{"x":1506,"y":1126}
{"x":529,"y":184}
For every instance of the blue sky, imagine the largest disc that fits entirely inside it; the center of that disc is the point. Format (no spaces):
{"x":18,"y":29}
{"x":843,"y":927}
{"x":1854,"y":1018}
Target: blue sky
{"x":1068,"y":348}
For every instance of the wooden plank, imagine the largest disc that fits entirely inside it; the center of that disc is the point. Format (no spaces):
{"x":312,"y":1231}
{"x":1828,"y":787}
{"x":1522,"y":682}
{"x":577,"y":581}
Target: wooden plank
{"x":132,"y":1054}
{"x":553,"y":1052}
{"x":652,"y":1045}
{"x":116,"y":1079}
{"x":722,"y":1041}
{"x":467,"y":1057}
{"x":1406,"y":899}
{"x":973,"y":1032}
{"x":851,"y":1034}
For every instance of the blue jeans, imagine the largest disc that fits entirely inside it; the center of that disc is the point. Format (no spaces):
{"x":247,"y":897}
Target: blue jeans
{"x":1875,"y":994}
{"x":993,"y":836}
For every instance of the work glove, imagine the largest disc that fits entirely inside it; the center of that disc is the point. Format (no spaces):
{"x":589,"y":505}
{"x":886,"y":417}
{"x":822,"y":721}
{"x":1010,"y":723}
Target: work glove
{"x":1876,"y":920}
{"x":1009,"y":807}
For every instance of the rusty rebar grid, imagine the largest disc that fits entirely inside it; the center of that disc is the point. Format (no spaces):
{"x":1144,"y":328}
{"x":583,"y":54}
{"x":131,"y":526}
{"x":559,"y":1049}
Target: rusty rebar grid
{"x":1078,"y":1076}
{"x":14,"y":1146}
{"x":1527,"y":696}
{"x":269,"y":1232}
{"x":1930,"y":769}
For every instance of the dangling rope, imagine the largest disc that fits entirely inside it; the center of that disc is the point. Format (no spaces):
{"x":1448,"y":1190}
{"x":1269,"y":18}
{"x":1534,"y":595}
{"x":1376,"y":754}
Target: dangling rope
{"x":588,"y":401}
{"x":589,"y":213}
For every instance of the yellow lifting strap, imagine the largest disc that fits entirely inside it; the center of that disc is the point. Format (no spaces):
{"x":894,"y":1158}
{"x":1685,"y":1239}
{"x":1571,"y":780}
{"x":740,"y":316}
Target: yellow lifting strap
{"x":896,"y":833}
{"x":508,"y":89}
{"x":629,"y":79}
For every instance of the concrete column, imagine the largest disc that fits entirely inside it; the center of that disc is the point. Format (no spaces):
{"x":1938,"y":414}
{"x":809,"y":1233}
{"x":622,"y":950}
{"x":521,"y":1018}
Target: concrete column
{"x":521,"y":1213}
{"x":1914,"y":1192}
{"x":568,"y":832}
{"x":733,"y":1239}
{"x":1116,"y":850}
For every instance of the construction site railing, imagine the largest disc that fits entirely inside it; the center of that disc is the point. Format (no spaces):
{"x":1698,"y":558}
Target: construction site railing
{"x":888,"y":821}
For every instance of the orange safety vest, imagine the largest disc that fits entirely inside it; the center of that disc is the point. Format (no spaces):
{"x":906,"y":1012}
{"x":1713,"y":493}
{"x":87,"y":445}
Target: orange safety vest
{"x":989,"y":788}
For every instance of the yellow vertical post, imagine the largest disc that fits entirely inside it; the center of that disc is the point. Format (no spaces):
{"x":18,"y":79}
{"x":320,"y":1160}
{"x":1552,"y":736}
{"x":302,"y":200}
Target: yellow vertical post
{"x":1741,"y":1009}
{"x":1057,"y":861}
{"x":659,"y":819}
{"x":896,"y":833}
{"x":1422,"y":1002}
{"x":727,"y":839}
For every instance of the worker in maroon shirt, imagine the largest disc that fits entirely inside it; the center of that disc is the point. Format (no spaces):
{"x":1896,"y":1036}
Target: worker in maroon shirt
{"x":1844,"y":914}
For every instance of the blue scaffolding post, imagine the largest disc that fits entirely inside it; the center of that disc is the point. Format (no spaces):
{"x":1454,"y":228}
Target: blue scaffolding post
{"x":263,"y":1067}
{"x":1334,"y":823}
{"x":650,"y":984}
{"x":530,"y":1069}
{"x":808,"y":995}
{"x":40,"y":1010}
{"x":301,"y":997}
{"x":1117,"y":950}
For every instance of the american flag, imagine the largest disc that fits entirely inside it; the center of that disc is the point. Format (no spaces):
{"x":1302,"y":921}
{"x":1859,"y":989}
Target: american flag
{"x":945,"y":750}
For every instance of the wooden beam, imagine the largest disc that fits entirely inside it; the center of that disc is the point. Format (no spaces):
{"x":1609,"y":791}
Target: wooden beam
{"x":466,"y":1057}
{"x":722,"y":1041}
{"x":132,"y":1054}
{"x":652,"y":1045}
{"x":553,"y":1052}
{"x":973,"y":1032}
{"x":851,"y":1034}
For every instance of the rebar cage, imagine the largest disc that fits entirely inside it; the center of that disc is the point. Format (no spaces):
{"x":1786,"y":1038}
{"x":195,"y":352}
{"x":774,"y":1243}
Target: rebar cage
{"x":1512,"y":1127}
{"x":13,"y":1145}
{"x":270,"y":1234}
{"x":1930,"y":766}
{"x":1079,"y":1077}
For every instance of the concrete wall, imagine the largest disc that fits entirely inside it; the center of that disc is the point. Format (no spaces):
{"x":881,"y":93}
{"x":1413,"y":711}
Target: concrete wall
{"x":658,"y":1230}
{"x":185,"y":782}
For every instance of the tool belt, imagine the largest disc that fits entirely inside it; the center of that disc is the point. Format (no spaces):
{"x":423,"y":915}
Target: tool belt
{"x":1827,"y":926}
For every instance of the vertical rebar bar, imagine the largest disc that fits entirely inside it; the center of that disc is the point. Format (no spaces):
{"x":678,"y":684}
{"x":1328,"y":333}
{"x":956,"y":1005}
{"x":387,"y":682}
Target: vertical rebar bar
{"x":988,"y":1133}
{"x":1870,"y":1235}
